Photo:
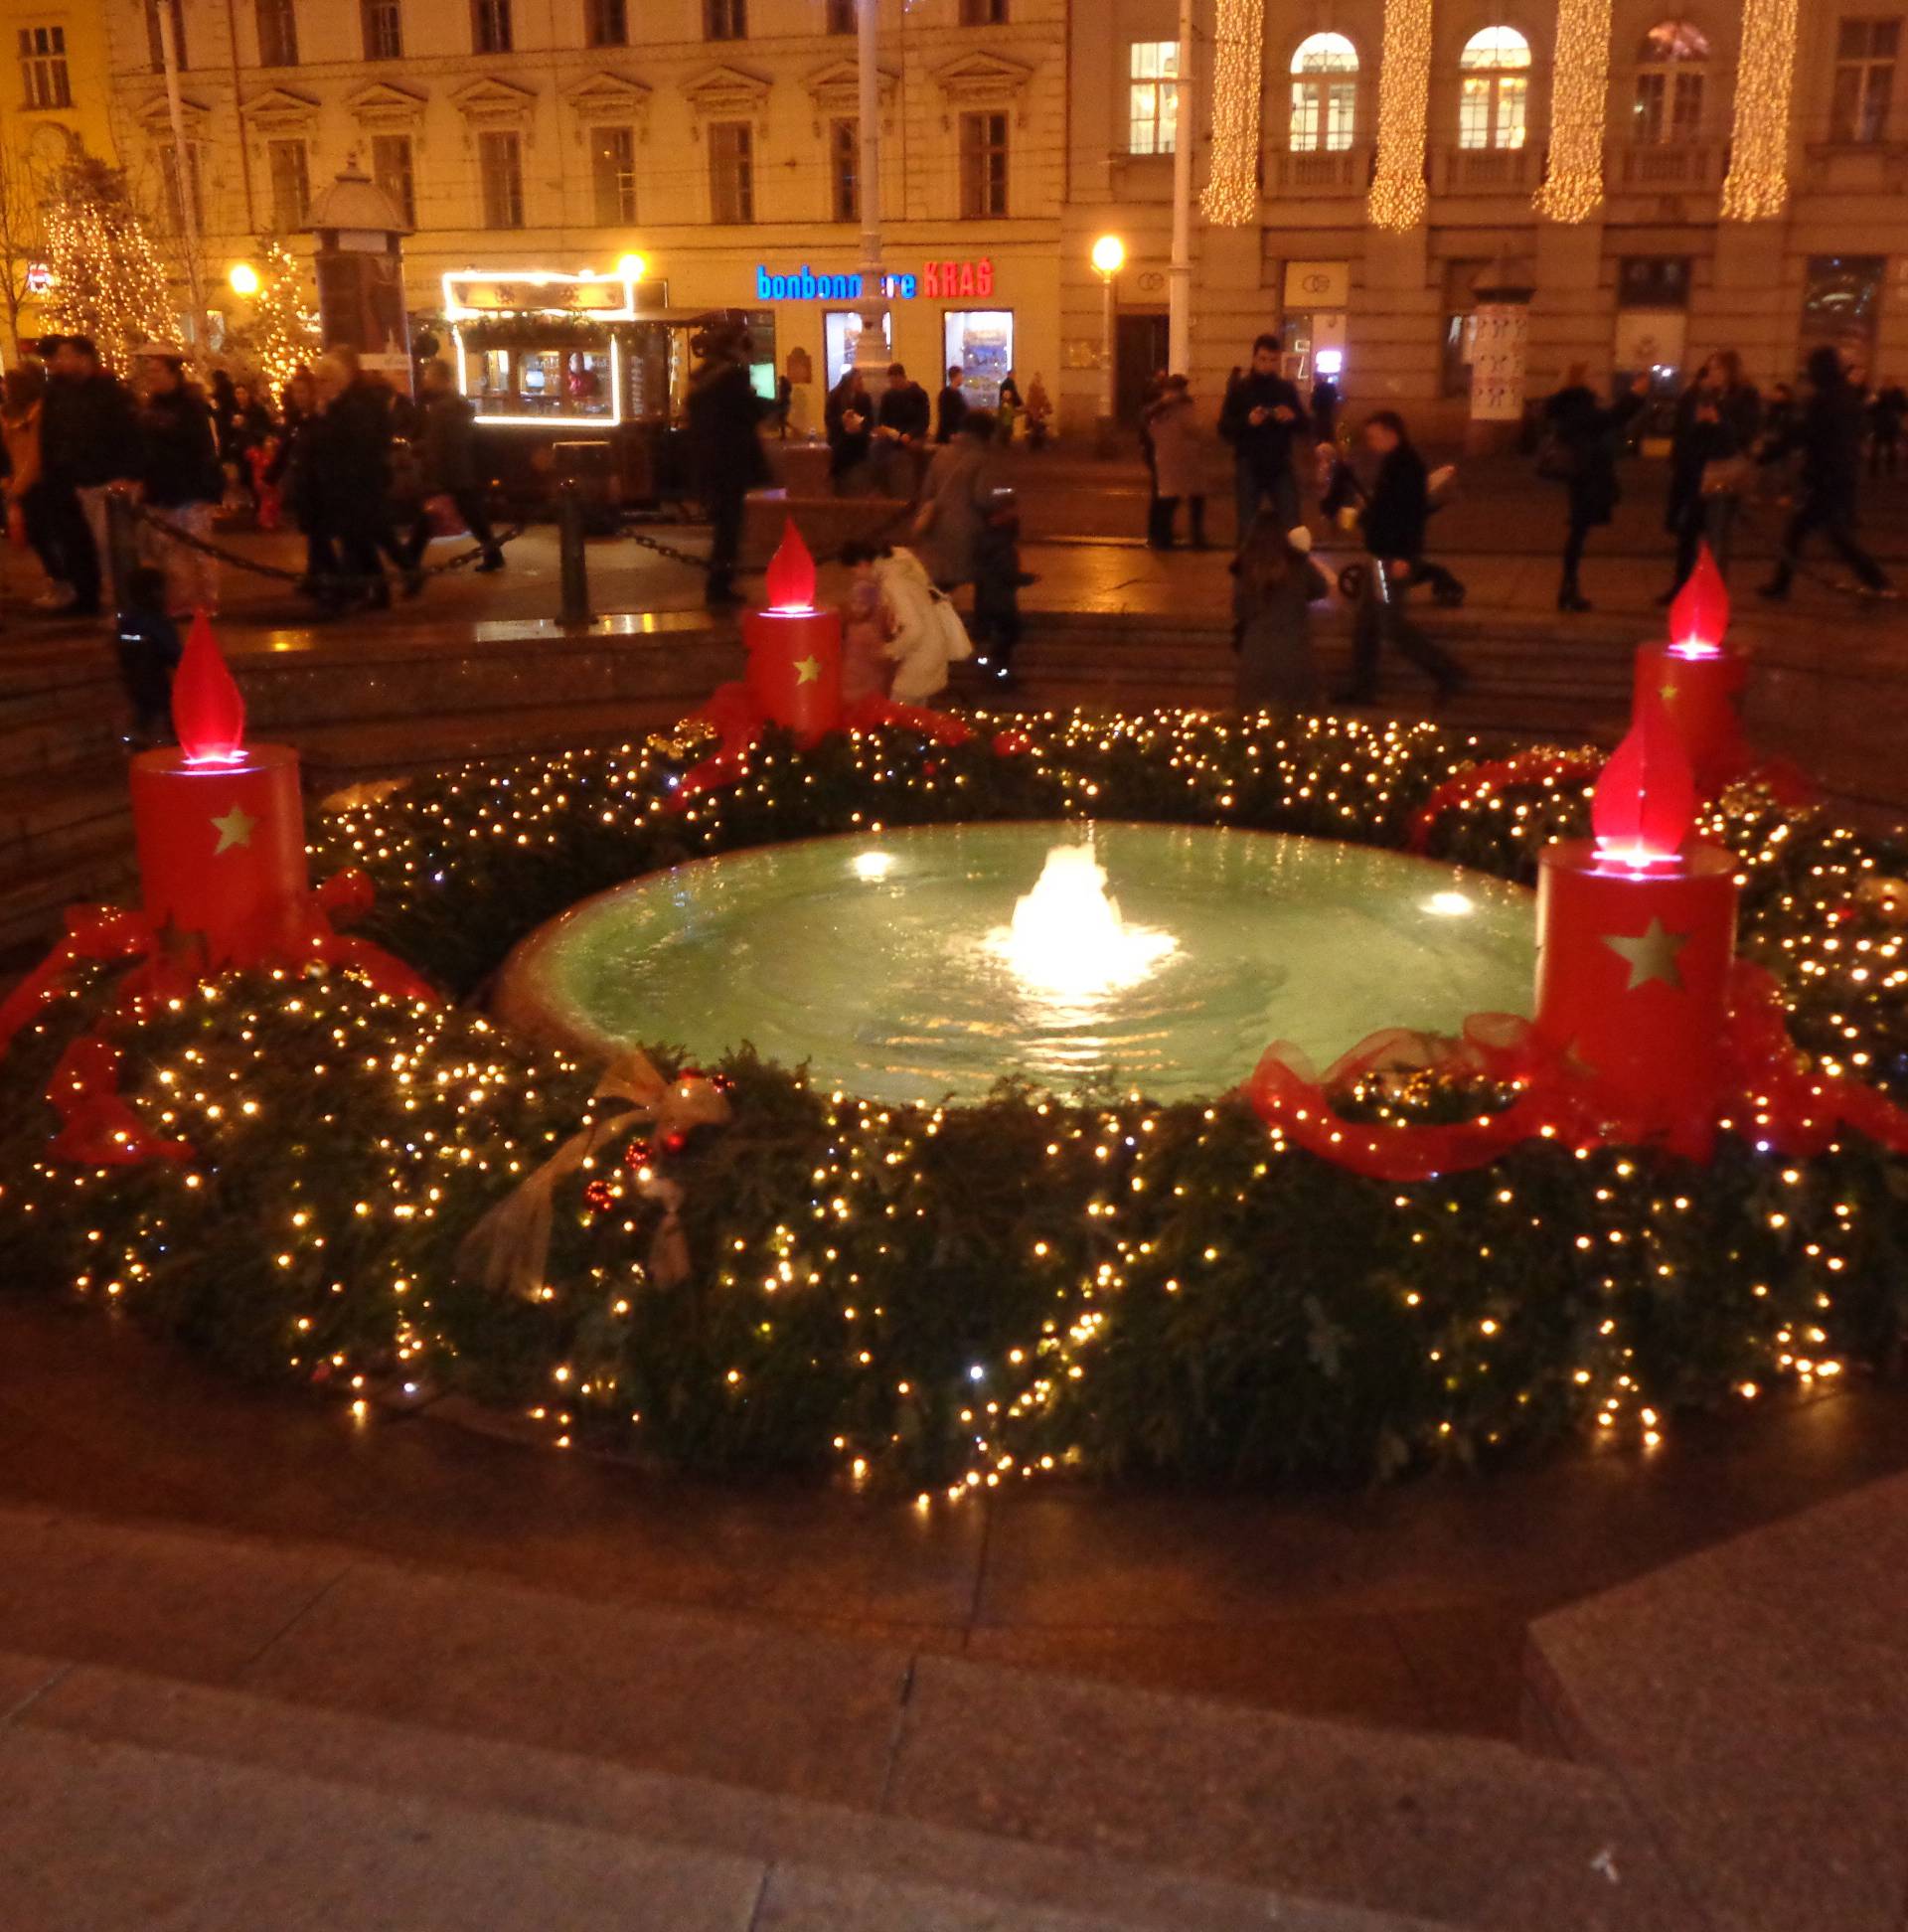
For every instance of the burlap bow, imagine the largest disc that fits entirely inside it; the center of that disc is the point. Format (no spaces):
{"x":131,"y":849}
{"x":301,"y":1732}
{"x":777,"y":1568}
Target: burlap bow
{"x":508,"y":1248}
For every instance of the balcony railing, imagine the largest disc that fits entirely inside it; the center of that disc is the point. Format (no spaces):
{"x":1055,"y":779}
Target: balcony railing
{"x":1665,"y":167}
{"x":1323,"y":171}
{"x":1488,"y":171}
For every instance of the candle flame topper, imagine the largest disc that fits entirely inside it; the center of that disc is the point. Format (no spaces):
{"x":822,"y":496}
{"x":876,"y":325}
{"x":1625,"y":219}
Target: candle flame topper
{"x":1646,"y":800}
{"x":208,"y":712}
{"x":791,"y":573}
{"x":1699,"y":616}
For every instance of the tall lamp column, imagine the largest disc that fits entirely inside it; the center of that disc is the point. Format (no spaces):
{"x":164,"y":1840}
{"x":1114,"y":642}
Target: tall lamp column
{"x":1109,"y":256}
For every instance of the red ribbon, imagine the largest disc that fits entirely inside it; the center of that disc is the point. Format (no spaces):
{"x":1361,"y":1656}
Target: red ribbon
{"x":98,"y":1128}
{"x":1479,"y":780}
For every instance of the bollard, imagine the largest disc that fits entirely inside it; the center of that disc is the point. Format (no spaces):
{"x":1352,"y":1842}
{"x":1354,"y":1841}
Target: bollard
{"x":573,"y":562}
{"x":122,"y":542}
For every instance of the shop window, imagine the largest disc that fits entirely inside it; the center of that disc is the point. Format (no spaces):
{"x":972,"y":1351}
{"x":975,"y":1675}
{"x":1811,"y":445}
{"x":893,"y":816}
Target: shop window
{"x":606,"y":22}
{"x":395,"y":171}
{"x":155,"y":40}
{"x":1653,"y":282}
{"x":841,"y":330}
{"x":845,"y":170}
{"x":841,"y":16}
{"x":731,"y":173}
{"x":983,"y":13}
{"x":42,"y":68}
{"x":278,"y":33}
{"x":983,"y":167}
{"x":500,"y":172}
{"x":1865,"y":52}
{"x":289,"y":170}
{"x":1152,"y":96}
{"x":613,"y":171}
{"x":490,"y":27}
{"x":1840,"y":306}
{"x":1671,"y":72}
{"x":383,"y":21}
{"x":1493,"y":89}
{"x":980,"y":341}
{"x":725,"y":19}
{"x":1325,"y":95}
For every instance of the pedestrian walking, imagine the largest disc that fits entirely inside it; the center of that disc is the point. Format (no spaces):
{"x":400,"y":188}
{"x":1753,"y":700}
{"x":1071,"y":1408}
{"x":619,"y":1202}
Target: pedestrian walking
{"x":1828,"y":435}
{"x":1262,"y":418}
{"x":146,"y":643}
{"x":288,"y":477}
{"x":954,"y":503}
{"x":349,"y":476}
{"x":1178,"y":465}
{"x":247,"y":433}
{"x":1711,"y":462}
{"x":88,"y":441}
{"x":181,"y":480}
{"x":902,"y":422}
{"x":1393,"y":529}
{"x":726,"y":449}
{"x":997,"y":581}
{"x":1579,"y":451}
{"x":951,"y":405}
{"x":1009,"y":407}
{"x":1040,"y":406}
{"x":22,"y":396}
{"x":847,"y":420}
{"x":1886,"y":415}
{"x":1275,"y":584}
{"x":447,"y":456}
{"x":1324,"y":409}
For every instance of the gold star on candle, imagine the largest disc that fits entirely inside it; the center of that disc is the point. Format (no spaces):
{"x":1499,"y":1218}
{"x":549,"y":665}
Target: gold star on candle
{"x":808,"y":670}
{"x":235,"y":829}
{"x":1651,"y":955}
{"x":1667,"y":693}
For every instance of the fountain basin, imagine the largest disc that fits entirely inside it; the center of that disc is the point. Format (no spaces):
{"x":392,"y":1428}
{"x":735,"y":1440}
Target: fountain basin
{"x":924,"y":964}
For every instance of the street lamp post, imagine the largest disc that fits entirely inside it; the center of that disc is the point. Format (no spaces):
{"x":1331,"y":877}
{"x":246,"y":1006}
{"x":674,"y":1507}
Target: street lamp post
{"x":1109,"y":256}
{"x":870,"y":350}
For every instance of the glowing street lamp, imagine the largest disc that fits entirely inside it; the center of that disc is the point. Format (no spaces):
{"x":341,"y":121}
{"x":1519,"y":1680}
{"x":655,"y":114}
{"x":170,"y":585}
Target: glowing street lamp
{"x":243,"y":279}
{"x":632,"y":269}
{"x":1108,"y":257}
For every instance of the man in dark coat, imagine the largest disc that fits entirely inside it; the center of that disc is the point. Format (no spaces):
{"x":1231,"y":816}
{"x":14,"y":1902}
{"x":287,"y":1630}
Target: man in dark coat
{"x":848,"y":416}
{"x":448,"y":456}
{"x":1261,"y":418}
{"x":1586,"y":434}
{"x":725,"y":450}
{"x":1828,"y":432}
{"x":900,"y":436}
{"x":952,"y":405}
{"x":350,"y":465}
{"x":89,"y":439}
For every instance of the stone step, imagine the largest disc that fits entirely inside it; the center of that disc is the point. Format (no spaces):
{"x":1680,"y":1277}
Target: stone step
{"x":50,"y":815}
{"x":1457,"y":1830}
{"x":216,"y":1771}
{"x":34,"y":894}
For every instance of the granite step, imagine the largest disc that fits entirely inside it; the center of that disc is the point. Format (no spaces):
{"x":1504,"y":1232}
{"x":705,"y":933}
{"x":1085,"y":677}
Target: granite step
{"x":1033,"y":1772}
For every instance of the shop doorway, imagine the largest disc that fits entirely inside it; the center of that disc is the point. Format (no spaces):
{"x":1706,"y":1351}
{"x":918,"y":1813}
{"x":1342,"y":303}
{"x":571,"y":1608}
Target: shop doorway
{"x":1141,"y":344}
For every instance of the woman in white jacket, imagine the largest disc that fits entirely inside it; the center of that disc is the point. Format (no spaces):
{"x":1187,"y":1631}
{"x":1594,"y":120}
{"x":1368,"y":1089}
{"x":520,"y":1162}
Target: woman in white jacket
{"x":926,"y":632}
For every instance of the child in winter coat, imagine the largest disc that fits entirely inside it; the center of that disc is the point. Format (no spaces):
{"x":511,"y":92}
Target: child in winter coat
{"x":1276,"y":583}
{"x":866,"y":669}
{"x":926,"y":632}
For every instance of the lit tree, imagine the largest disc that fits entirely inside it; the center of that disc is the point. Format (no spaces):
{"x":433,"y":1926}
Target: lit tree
{"x":107,"y":280}
{"x":282,"y":333}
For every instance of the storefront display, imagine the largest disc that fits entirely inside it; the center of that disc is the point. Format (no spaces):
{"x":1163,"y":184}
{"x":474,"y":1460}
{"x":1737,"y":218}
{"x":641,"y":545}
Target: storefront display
{"x":841,"y":330}
{"x":980,"y":343}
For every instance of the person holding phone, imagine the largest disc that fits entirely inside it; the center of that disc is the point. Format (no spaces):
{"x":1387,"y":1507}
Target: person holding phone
{"x":1266,"y":423}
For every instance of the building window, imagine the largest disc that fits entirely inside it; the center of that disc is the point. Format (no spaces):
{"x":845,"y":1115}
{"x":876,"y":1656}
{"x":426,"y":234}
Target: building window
{"x":845,"y":170}
{"x":393,"y":170}
{"x":43,"y":66}
{"x":983,"y":166}
{"x":500,"y":166}
{"x":983,"y":13}
{"x":489,"y":26}
{"x":1325,"y":95}
{"x":176,"y":190}
{"x":155,"y":41}
{"x":278,"y":33}
{"x":1864,"y":78}
{"x":725,"y":19}
{"x":980,"y":343}
{"x":1152,"y":96}
{"x":731,"y":172}
{"x":1671,"y":70}
{"x":384,"y":25}
{"x":841,"y":16}
{"x":606,"y":22}
{"x":290,"y":184}
{"x":612,"y":174}
{"x":1494,"y":69}
{"x":1842,"y":307}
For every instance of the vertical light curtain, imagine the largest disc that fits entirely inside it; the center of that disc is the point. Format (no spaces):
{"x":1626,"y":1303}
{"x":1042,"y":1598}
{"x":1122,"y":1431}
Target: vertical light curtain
{"x":1231,"y":196}
{"x":1579,"y":93}
{"x":1398,"y":198}
{"x":1757,"y":189}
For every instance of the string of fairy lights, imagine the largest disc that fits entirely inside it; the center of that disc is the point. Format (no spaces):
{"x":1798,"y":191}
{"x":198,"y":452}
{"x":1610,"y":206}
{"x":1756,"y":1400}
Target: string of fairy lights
{"x":1231,"y":195}
{"x":1756,"y":188}
{"x":1146,"y":1284}
{"x":1572,"y":190}
{"x":1399,"y":197}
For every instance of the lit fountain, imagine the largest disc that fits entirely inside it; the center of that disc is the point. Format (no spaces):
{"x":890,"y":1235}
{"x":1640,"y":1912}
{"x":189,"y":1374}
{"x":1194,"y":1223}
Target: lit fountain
{"x":1067,"y":941}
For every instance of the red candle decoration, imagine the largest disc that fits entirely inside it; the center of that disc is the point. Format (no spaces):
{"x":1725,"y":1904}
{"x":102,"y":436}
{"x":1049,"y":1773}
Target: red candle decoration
{"x":220,"y":828}
{"x":1635,"y":936}
{"x":794,"y":650}
{"x":1698,"y":679}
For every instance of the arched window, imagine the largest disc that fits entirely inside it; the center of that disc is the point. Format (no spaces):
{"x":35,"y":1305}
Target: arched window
{"x":1672,"y":66}
{"x":1324,"y":94}
{"x":1494,"y":90}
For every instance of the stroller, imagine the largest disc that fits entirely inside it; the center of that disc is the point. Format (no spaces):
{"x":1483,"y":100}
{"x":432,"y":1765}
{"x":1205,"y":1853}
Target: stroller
{"x":1345,"y":495}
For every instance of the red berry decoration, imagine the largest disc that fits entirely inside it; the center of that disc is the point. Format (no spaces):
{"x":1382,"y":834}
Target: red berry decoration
{"x":638,"y":1154}
{"x":600,"y":1195}
{"x":675,"y":1141}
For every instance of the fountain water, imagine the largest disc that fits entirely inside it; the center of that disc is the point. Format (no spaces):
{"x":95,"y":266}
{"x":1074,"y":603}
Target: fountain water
{"x":1068,"y":943}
